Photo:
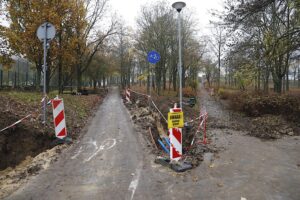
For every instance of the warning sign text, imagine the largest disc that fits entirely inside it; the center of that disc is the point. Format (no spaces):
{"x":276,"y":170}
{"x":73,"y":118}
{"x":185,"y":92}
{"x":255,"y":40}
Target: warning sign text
{"x":175,"y":120}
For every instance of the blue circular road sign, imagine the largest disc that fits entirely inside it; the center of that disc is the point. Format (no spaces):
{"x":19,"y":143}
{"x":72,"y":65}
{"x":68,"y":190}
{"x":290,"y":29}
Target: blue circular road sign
{"x":153,"y":57}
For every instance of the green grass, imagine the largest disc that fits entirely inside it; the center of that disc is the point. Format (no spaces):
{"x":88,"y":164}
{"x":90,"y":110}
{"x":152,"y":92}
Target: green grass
{"x":75,"y":103}
{"x":26,"y":97}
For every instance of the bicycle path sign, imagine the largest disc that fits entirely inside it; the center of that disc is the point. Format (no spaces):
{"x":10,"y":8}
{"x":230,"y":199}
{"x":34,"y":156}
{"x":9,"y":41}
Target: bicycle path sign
{"x":153,"y":57}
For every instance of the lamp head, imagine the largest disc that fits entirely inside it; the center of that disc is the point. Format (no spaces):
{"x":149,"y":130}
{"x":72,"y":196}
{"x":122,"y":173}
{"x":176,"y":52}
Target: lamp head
{"x":178,"y":5}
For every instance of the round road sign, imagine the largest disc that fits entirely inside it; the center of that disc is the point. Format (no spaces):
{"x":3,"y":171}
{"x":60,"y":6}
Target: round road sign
{"x":46,"y":30}
{"x":153,"y":57}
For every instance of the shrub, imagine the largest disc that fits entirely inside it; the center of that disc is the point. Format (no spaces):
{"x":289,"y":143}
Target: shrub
{"x":193,"y":84}
{"x":222,"y":94}
{"x":258,"y":105}
{"x":188,"y":92}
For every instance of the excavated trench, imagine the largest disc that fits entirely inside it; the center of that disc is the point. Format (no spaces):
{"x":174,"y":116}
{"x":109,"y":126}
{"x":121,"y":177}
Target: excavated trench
{"x":20,"y":141}
{"x":145,"y":119}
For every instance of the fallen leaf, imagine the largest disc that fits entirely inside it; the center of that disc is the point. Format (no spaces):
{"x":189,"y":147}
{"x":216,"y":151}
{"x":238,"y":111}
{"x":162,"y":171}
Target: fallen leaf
{"x":195,"y":179}
{"x":220,"y":185}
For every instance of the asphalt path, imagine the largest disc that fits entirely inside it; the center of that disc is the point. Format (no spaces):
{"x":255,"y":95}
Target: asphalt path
{"x":112,"y":161}
{"x":105,"y":164}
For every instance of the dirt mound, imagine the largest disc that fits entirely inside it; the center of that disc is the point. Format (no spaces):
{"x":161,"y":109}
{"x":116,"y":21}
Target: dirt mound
{"x":146,"y":119}
{"x":256,"y":105}
{"x":12,"y":178}
{"x":271,"y":127}
{"x":267,"y":116}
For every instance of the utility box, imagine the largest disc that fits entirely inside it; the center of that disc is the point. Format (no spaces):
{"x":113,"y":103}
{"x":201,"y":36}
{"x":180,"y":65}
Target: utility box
{"x":192,"y":101}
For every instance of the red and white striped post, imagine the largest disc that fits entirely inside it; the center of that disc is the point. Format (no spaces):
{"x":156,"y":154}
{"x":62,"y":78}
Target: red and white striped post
{"x":204,"y":131}
{"x":175,"y":133}
{"x":59,"y":118}
{"x":204,"y":115}
{"x":127,"y":93}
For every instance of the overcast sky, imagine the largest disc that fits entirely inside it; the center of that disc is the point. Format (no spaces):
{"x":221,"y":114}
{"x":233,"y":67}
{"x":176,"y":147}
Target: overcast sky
{"x":129,"y":10}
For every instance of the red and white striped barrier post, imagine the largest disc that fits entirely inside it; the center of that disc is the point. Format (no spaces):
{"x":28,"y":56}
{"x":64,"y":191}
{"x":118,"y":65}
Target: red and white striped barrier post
{"x":212,"y":91}
{"x":59,"y":118}
{"x":127,"y":93}
{"x":202,"y":125}
{"x":175,"y":124}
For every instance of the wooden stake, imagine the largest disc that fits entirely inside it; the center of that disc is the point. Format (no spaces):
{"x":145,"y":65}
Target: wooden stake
{"x":152,"y":138}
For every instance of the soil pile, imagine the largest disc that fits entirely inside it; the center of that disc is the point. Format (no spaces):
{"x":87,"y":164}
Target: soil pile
{"x":146,"y":119}
{"x":269,"y":116}
{"x":271,"y":127}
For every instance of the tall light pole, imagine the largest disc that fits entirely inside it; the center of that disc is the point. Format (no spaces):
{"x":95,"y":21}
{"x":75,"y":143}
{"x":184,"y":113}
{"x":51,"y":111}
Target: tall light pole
{"x":178,"y":6}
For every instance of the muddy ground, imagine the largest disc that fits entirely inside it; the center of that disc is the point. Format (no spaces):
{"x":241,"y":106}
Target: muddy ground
{"x":145,"y":119}
{"x":221,"y":117}
{"x":243,"y":166}
{"x":267,"y":117}
{"x":30,"y":146}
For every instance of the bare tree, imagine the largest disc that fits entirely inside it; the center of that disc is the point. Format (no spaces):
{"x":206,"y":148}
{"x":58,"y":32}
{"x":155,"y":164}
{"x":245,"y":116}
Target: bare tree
{"x":94,"y":12}
{"x":217,"y":43}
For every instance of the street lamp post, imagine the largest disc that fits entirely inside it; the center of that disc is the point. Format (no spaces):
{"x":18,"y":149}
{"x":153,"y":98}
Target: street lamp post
{"x":178,"y":6}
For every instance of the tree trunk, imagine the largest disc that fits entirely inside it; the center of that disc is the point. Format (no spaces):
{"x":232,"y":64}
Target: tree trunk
{"x":158,"y":73}
{"x":283,"y":84}
{"x":174,"y":76}
{"x":60,"y":82}
{"x":94,"y":84}
{"x":299,"y":76}
{"x":170,"y":79}
{"x":164,"y":79}
{"x":148,"y":78}
{"x":79,"y":78}
{"x":226,"y":74}
{"x":288,"y":47}
{"x":278,"y":85}
{"x":158,"y":84}
{"x":104,"y":83}
{"x":1,"y":78}
{"x":38,"y":75}
{"x":7,"y":77}
{"x":15,"y":80}
{"x":219,"y":64}
{"x":258,"y":78}
{"x":287,"y":80}
{"x":295,"y":72}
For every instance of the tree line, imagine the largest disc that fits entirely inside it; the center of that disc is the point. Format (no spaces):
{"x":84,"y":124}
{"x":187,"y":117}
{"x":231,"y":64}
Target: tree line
{"x":259,"y":42}
{"x":117,"y":51}
{"x":252,"y":43}
{"x":79,"y":42}
{"x":157,"y":30}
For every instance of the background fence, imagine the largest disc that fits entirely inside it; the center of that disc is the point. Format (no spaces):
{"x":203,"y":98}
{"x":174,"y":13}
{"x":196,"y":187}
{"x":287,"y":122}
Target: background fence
{"x":19,"y":74}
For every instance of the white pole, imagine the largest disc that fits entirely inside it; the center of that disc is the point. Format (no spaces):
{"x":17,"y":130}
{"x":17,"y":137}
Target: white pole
{"x":45,"y":69}
{"x":180,"y":61}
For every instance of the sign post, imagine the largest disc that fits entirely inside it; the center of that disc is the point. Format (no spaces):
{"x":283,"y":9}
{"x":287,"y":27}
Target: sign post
{"x":175,"y":124}
{"x":153,"y":58}
{"x":45,"y":33}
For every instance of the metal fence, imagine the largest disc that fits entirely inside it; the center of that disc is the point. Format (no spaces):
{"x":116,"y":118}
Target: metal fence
{"x":20,"y":73}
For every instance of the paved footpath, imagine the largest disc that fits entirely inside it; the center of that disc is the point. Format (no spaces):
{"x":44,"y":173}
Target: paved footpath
{"x":111,"y":162}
